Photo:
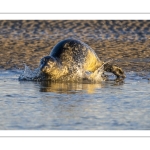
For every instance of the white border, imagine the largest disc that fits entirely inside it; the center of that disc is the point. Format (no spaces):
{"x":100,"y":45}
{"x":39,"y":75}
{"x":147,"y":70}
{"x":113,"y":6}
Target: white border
{"x":75,"y":133}
{"x":67,"y":143}
{"x":72,"y":16}
{"x":82,"y":6}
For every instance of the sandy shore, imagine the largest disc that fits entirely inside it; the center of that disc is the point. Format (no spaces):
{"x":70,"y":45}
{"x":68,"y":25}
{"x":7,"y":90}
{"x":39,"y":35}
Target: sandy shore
{"x":126,"y":42}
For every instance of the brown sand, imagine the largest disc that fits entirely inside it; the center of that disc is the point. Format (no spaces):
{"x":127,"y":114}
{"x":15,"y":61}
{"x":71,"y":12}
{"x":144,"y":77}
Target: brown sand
{"x":126,"y":42}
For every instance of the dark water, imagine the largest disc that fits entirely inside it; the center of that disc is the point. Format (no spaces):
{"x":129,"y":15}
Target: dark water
{"x":74,"y":106}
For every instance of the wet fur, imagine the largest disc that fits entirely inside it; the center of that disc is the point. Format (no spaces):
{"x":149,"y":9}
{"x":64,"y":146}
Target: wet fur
{"x":69,"y":55}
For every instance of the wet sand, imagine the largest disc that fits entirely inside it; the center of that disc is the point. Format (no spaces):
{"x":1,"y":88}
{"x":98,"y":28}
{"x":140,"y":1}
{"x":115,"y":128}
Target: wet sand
{"x":126,"y":42}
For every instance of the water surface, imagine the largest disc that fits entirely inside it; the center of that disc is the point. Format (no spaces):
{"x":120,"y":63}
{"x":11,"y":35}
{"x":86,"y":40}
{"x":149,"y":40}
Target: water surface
{"x":74,"y":106}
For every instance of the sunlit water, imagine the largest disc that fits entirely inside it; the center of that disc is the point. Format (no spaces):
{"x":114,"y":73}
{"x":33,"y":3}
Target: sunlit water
{"x":74,"y":106}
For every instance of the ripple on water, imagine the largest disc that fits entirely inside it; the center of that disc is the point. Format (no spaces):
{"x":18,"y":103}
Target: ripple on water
{"x":70,"y":106}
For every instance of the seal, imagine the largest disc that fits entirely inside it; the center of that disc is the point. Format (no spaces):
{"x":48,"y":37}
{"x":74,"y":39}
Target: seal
{"x":70,"y":54}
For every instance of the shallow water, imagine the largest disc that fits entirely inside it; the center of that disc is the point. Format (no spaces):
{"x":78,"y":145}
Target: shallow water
{"x":73,"y":106}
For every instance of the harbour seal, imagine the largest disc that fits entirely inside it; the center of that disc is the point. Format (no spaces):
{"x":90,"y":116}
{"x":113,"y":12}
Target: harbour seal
{"x":70,"y":54}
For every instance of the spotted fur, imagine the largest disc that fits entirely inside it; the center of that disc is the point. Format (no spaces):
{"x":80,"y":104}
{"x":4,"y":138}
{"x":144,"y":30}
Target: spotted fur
{"x":69,"y":55}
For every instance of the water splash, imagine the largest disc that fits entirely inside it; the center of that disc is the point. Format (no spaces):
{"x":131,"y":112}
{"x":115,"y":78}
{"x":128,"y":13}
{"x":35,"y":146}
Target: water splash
{"x":30,"y":75}
{"x":77,"y":76}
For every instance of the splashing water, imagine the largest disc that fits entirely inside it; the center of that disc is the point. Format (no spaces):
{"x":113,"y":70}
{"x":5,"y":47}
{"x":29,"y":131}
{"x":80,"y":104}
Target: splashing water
{"x":30,"y":75}
{"x":77,"y":76}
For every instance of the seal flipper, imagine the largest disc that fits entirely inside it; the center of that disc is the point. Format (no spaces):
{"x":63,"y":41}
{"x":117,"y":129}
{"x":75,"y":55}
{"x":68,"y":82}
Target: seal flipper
{"x":118,"y":72}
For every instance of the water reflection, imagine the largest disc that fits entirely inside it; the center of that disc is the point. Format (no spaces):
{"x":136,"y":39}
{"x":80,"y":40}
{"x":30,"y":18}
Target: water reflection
{"x":74,"y":106}
{"x":69,"y":88}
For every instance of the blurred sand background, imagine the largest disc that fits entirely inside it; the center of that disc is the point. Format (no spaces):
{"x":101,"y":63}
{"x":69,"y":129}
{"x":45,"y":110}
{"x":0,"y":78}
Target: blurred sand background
{"x":127,"y":42}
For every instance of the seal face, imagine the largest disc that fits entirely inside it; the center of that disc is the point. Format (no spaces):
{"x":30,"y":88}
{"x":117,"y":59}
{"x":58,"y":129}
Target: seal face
{"x":47,"y":63}
{"x":70,"y":54}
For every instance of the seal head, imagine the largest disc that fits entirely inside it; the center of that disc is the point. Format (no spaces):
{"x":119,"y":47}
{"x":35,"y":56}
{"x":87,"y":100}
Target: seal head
{"x":47,"y":64}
